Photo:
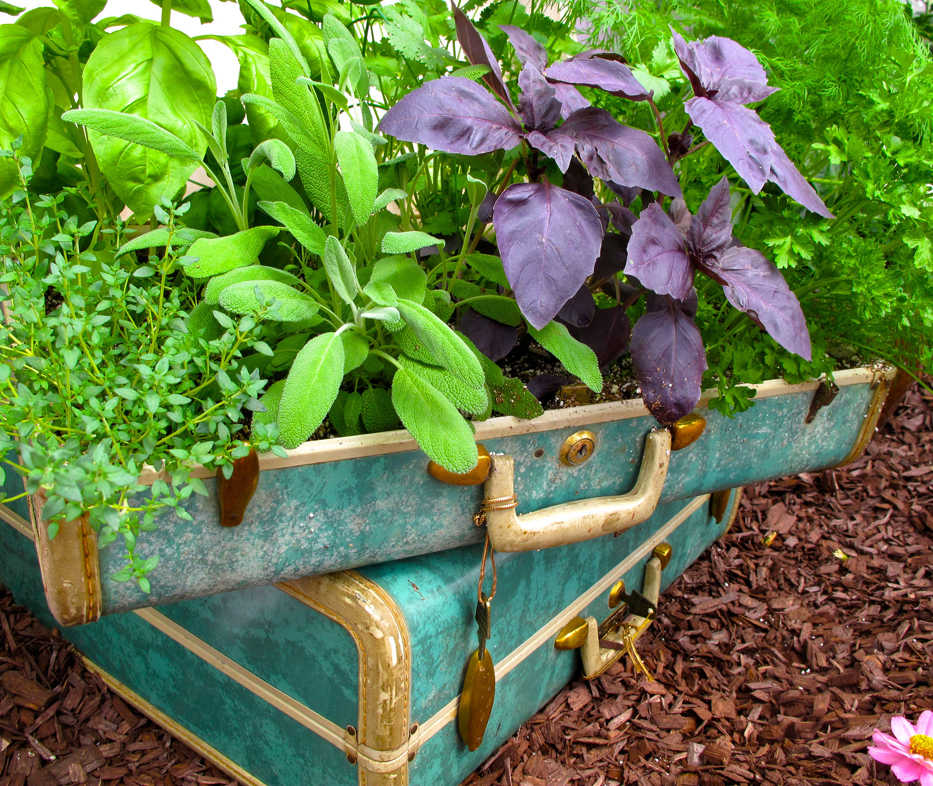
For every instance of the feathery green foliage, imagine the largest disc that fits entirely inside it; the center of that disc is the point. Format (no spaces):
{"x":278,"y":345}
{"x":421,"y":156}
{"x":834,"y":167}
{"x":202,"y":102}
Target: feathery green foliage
{"x":855,"y":110}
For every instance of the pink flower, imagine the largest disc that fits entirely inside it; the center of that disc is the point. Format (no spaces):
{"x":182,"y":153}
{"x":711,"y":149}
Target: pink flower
{"x":909,"y":751}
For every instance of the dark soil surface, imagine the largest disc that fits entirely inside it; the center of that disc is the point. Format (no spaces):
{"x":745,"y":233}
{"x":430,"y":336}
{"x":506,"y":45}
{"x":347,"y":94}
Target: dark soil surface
{"x":774,"y":657}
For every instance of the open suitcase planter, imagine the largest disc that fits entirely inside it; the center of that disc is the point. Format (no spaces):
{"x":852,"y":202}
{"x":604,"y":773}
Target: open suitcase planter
{"x":354,"y":677}
{"x":342,"y":503}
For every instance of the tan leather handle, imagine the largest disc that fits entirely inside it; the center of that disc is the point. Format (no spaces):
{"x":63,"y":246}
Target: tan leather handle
{"x":572,"y":522}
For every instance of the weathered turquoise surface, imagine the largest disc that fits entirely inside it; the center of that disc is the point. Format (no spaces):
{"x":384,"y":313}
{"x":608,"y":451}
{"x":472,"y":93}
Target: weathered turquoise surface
{"x":343,"y":514}
{"x":314,"y":661}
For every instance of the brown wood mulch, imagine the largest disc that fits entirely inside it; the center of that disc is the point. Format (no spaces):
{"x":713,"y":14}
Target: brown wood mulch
{"x":774,"y":656}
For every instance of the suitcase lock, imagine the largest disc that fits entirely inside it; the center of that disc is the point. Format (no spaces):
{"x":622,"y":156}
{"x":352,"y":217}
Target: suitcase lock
{"x":602,"y":644}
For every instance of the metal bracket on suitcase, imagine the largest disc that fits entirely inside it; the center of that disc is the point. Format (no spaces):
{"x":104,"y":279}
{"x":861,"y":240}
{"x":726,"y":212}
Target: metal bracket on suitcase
{"x":603,"y":644}
{"x":572,"y":522}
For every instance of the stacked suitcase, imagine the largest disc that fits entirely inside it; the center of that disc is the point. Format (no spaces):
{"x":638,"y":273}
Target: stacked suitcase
{"x":356,"y":676}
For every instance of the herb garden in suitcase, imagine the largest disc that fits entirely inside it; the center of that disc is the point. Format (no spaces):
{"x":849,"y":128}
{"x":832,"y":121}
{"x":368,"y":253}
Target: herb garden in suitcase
{"x":413,"y":232}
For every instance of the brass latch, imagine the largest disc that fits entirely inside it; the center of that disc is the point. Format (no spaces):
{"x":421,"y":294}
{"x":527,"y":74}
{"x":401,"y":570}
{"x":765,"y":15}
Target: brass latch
{"x":602,"y":644}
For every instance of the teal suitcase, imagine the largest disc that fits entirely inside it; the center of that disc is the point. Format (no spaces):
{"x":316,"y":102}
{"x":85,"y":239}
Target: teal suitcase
{"x":355,"y":677}
{"x":343,"y":503}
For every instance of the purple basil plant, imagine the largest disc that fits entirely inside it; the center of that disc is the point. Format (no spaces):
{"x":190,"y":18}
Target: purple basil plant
{"x":554,"y":240}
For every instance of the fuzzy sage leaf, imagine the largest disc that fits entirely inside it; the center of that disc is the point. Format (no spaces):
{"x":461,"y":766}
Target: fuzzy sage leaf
{"x":310,"y":388}
{"x":434,"y":422}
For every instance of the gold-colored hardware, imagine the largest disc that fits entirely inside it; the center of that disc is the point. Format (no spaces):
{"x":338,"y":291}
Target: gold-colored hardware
{"x":69,"y":565}
{"x":616,"y":594}
{"x":882,"y":385}
{"x":631,"y":635}
{"x":572,"y":635}
{"x":474,"y":477}
{"x":479,"y":685}
{"x":719,"y":504}
{"x":494,"y":503}
{"x":686,"y":431}
{"x":733,"y":512}
{"x":479,"y":693}
{"x":577,"y":448}
{"x":663,"y":552}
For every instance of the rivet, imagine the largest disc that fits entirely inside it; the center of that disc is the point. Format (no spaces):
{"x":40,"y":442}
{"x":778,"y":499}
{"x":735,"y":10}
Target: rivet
{"x":616,"y":593}
{"x":577,"y":448}
{"x":474,"y":477}
{"x":572,"y":635}
{"x":686,"y":431}
{"x":663,"y":552}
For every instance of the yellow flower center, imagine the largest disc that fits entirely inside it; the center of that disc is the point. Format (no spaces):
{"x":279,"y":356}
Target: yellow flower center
{"x":922,"y":745}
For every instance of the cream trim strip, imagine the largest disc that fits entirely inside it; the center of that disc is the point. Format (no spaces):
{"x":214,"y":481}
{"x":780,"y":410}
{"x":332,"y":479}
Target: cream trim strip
{"x":548,"y":631}
{"x":297,"y":711}
{"x":344,"y":448}
{"x":17,"y":522}
{"x":158,"y":717}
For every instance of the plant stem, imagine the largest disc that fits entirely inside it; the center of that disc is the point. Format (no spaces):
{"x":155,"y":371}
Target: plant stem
{"x":660,"y":123}
{"x":166,"y":13}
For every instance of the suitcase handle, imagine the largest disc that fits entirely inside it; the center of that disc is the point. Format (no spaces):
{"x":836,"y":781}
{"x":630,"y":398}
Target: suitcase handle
{"x":572,"y":522}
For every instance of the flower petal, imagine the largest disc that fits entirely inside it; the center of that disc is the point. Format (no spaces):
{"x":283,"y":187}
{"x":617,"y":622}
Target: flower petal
{"x":885,"y":755}
{"x":906,"y":770}
{"x":902,"y":728}
{"x":925,"y":723}
{"x":926,"y":779}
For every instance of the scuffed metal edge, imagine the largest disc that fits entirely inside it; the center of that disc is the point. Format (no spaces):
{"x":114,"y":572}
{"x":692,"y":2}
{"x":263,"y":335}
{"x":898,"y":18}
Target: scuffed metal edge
{"x":882,"y":380}
{"x":382,"y":746}
{"x":70,"y":567}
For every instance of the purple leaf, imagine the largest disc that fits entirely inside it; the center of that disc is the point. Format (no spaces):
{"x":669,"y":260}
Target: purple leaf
{"x":492,"y":338}
{"x":556,"y":146}
{"x":549,"y":239}
{"x":626,"y":194}
{"x":742,"y":137}
{"x":617,"y":153}
{"x":679,"y":145}
{"x":602,"y":211}
{"x":570,"y":99}
{"x":578,"y":311}
{"x":719,"y":67}
{"x":578,"y":180}
{"x":755,"y":286}
{"x":592,"y":70}
{"x":484,"y":213}
{"x":529,"y":51}
{"x":657,"y":254}
{"x":681,"y":216}
{"x":667,"y":352}
{"x":543,"y":386}
{"x":792,"y":183}
{"x":607,"y":334}
{"x":455,"y":115}
{"x":710,"y":232}
{"x":538,"y":105}
{"x":611,"y":258}
{"x":623,"y":219}
{"x":478,"y":52}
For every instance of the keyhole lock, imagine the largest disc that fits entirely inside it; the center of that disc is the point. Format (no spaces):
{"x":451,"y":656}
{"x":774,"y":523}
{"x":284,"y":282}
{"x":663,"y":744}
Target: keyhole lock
{"x":577,"y":448}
